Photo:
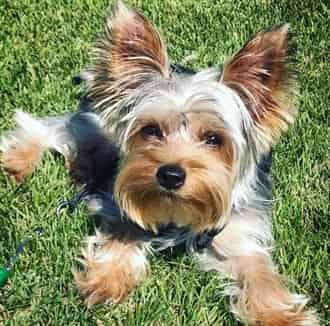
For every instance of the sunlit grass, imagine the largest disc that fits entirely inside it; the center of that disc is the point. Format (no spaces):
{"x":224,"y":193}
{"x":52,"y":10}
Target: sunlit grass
{"x":43,"y":44}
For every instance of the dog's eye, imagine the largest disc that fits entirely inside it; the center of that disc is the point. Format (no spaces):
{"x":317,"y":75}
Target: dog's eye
{"x":212,"y":139}
{"x":152,"y":130}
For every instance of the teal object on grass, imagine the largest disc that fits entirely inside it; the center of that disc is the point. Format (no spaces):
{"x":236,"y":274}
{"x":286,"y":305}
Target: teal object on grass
{"x":4,"y":275}
{"x":5,"y":271}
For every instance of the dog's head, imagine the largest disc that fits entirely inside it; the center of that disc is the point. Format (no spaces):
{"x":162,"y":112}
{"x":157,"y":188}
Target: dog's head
{"x":190,"y":143}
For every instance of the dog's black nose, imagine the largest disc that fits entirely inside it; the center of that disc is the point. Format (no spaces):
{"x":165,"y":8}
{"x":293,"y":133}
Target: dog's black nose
{"x":171,"y":177}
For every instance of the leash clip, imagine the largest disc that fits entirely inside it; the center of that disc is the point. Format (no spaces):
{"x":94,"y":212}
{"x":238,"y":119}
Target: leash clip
{"x":72,"y":204}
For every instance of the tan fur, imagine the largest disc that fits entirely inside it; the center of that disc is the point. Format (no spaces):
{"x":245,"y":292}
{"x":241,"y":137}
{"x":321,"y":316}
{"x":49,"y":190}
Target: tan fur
{"x":259,"y":295}
{"x":203,"y":199}
{"x":111,"y":271}
{"x":201,"y":123}
{"x":261,"y":75}
{"x":20,"y":160}
{"x":263,"y":298}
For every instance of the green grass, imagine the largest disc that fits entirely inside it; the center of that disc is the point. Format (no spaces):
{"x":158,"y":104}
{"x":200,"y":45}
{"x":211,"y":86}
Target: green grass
{"x":42,"y":45}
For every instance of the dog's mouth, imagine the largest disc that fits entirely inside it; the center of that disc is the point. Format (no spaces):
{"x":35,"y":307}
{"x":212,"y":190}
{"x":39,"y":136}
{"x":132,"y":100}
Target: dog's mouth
{"x":154,"y":205}
{"x":168,"y":194}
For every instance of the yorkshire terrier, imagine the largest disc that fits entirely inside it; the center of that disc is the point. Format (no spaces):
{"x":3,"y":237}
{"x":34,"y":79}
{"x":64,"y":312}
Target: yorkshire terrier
{"x":169,"y":157}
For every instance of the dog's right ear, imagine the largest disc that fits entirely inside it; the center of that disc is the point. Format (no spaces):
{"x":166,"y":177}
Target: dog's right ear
{"x":130,"y":53}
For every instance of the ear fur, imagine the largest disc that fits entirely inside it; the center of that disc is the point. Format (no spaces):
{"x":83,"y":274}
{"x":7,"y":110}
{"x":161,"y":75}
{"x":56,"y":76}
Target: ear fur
{"x":130,"y":53}
{"x":260,"y":73}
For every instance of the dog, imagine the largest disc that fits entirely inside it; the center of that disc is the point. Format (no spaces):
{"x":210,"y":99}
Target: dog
{"x":172,"y":157}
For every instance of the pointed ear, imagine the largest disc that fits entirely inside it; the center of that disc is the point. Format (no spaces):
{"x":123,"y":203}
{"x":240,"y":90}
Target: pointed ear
{"x":261,"y":75}
{"x":129,"y":53}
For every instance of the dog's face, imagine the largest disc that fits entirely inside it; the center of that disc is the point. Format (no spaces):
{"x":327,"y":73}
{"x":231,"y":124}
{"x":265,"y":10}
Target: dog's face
{"x":188,"y":142}
{"x":179,"y":167}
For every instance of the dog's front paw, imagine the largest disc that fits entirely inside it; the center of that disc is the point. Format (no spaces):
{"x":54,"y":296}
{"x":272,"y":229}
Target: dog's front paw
{"x":105,"y":283}
{"x":112,"y":270}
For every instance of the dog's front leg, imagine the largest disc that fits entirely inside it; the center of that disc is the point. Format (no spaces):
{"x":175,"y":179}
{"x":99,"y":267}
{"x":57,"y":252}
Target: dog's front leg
{"x":112,"y":269}
{"x":258,"y":294}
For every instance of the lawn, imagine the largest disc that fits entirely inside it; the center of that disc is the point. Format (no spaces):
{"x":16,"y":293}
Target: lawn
{"x":43,"y":44}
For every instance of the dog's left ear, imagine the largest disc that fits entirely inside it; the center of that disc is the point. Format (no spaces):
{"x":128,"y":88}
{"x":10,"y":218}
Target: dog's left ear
{"x":262,"y":75}
{"x":129,"y":54}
